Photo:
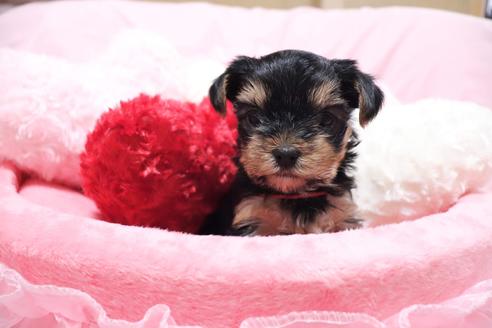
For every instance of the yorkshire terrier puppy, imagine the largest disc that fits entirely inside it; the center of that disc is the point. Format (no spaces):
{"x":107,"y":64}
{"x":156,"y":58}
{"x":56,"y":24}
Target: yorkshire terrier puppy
{"x":295,"y":145}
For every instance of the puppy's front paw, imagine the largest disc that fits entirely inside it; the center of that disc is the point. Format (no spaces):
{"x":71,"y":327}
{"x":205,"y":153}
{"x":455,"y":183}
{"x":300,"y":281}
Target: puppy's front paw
{"x":246,"y":227}
{"x":349,"y":224}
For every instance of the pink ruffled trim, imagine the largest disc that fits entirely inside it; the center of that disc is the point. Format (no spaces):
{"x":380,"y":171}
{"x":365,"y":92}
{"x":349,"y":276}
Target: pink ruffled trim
{"x":26,"y":305}
{"x":472,"y":309}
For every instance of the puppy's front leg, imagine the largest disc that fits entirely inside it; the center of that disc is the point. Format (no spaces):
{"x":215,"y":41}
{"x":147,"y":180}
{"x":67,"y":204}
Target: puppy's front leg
{"x":341,"y":214}
{"x":261,"y":216}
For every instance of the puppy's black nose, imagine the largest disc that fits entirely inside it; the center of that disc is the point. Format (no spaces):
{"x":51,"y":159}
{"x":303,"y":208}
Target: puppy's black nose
{"x":286,"y":156}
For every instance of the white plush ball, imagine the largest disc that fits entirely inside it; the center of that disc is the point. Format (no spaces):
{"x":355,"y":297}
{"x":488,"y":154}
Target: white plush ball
{"x":420,"y":158}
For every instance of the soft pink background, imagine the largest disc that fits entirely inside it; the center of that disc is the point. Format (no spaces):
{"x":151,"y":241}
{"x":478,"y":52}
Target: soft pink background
{"x":418,"y":53}
{"x":218,"y":282}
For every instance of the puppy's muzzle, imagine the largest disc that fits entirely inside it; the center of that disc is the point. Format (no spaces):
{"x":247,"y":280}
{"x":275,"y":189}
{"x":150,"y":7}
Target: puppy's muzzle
{"x":286,"y":156}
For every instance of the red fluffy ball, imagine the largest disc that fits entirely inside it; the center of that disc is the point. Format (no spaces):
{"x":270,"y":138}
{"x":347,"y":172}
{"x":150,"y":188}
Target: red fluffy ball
{"x":160,"y":163}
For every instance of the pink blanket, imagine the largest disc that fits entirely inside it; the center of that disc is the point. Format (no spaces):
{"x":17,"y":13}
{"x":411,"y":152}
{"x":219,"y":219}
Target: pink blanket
{"x":62,"y":267}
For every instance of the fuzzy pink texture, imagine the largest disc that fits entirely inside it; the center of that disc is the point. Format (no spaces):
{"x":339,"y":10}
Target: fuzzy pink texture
{"x":216,"y":281}
{"x":419,"y":53}
{"x":49,"y":234}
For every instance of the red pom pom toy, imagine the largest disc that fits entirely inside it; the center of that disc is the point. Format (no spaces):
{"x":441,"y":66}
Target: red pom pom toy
{"x":160,"y":163}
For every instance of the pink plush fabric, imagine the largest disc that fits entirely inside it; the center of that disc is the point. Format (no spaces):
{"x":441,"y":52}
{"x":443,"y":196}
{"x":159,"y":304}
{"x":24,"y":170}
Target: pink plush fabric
{"x":419,"y":53}
{"x":51,"y":235}
{"x":220,"y":282}
{"x":50,"y":306}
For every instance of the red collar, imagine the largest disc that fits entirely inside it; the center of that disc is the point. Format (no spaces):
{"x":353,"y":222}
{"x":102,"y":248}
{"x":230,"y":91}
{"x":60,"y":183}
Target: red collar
{"x":299,"y":196}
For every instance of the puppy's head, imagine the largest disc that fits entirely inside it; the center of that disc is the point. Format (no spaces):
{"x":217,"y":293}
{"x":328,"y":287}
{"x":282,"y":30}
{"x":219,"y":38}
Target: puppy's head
{"x":293,"y":110}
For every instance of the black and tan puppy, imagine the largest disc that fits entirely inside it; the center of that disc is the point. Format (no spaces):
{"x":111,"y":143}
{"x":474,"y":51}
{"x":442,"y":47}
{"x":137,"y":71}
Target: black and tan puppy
{"x":295,"y":143}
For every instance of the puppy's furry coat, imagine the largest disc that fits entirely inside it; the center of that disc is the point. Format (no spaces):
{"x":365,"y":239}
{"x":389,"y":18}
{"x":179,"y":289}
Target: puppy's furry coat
{"x":295,"y":142}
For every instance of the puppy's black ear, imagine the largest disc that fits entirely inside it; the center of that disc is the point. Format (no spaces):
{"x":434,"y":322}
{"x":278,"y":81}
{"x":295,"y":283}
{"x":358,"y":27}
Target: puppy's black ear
{"x":217,"y":94}
{"x":359,"y":90}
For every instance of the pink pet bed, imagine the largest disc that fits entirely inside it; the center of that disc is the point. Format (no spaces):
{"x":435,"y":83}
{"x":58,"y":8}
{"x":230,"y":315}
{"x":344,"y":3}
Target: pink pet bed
{"x":60,"y":266}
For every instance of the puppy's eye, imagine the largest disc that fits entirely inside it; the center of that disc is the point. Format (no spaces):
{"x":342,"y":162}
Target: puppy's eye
{"x":253,"y":120}
{"x":337,"y":111}
{"x":329,"y":119}
{"x":247,"y":113}
{"x":334,"y":125}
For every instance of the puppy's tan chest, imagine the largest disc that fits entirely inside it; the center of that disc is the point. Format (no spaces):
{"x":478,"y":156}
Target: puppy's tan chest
{"x":271,"y":218}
